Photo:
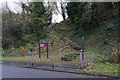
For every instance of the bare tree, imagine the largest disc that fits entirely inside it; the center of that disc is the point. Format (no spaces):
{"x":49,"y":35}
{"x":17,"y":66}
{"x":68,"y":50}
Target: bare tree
{"x":63,"y":11}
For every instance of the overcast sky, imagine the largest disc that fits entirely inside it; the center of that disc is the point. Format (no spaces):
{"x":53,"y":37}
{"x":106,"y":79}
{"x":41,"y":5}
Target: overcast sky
{"x":15,"y":8}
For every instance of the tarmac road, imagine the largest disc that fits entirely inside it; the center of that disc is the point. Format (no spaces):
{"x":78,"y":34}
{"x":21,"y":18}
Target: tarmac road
{"x":10,"y":71}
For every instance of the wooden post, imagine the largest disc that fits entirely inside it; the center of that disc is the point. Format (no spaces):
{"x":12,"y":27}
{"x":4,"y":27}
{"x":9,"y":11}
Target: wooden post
{"x":39,"y":51}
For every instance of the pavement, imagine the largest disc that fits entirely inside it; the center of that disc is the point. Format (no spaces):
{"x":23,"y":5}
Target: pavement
{"x":50,"y":68}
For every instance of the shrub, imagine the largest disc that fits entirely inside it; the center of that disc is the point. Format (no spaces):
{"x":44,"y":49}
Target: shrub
{"x":100,"y":58}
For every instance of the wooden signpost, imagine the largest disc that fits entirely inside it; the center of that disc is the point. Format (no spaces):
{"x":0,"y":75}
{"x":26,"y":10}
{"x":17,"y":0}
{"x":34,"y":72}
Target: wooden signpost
{"x":42,"y":44}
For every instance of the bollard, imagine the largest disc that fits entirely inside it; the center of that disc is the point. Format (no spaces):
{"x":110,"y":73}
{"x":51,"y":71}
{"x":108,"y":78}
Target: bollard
{"x":53,"y":66}
{"x":25,"y":64}
{"x":32,"y":64}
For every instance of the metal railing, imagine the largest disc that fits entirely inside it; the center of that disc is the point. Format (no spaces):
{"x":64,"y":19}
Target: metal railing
{"x":55,"y":60}
{"x":51,"y":27}
{"x":67,"y":49}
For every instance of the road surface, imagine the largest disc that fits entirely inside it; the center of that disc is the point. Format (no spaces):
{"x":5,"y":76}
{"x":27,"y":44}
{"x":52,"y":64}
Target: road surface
{"x":10,"y":71}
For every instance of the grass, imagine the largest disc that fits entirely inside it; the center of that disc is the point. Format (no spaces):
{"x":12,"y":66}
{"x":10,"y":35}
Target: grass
{"x":13,"y":58}
{"x":102,"y":65}
{"x":103,"y":68}
{"x":29,"y":57}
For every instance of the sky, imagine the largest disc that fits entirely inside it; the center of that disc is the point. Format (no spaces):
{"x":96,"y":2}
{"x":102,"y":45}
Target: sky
{"x":55,"y":18}
{"x":11,"y":4}
{"x":16,"y":8}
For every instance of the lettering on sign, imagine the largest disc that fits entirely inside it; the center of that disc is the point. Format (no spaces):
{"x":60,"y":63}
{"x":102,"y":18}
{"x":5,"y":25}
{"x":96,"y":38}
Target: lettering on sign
{"x":43,"y":44}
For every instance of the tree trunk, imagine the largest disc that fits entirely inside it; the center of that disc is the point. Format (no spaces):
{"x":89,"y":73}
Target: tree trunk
{"x":63,"y":12}
{"x":94,"y":18}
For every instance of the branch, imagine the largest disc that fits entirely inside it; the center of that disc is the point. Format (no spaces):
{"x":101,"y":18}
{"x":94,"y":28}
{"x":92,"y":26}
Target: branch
{"x":57,"y":8}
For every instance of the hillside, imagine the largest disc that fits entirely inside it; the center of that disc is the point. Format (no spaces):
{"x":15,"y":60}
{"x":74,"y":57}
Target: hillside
{"x":99,"y":39}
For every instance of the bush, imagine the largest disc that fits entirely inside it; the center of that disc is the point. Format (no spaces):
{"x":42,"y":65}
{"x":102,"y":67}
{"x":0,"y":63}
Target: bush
{"x":100,"y":58}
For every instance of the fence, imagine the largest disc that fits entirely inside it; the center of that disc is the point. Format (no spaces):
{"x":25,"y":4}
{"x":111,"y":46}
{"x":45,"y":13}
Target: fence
{"x":70,"y":60}
{"x":63,"y":57}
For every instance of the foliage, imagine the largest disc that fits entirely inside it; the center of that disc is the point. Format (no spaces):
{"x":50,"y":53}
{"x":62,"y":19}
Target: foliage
{"x":106,"y":56}
{"x":80,"y":15}
{"x":30,"y":46}
{"x":17,"y":31}
{"x":38,"y":19}
{"x":75,"y":12}
{"x":28,"y":37}
{"x":85,"y":15}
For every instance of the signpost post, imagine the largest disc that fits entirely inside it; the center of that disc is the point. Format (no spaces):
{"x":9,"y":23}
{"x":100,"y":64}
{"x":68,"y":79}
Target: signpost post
{"x":47,"y":50}
{"x":39,"y":51}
